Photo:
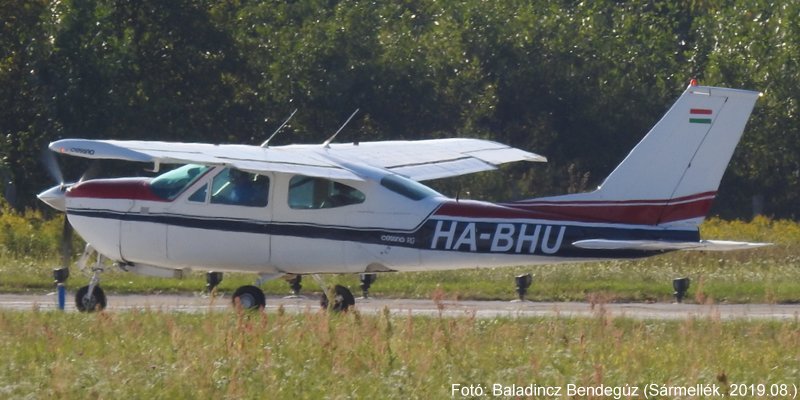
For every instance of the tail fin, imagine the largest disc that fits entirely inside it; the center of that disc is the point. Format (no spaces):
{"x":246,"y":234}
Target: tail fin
{"x":672,"y":175}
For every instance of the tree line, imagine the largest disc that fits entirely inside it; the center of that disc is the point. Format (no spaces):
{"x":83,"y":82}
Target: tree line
{"x":578,"y":82}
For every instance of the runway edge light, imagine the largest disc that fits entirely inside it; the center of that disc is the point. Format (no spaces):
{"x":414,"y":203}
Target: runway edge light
{"x":681,"y":286}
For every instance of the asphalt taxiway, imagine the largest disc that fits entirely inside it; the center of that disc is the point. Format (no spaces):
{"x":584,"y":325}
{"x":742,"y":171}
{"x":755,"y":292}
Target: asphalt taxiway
{"x":448,"y":308}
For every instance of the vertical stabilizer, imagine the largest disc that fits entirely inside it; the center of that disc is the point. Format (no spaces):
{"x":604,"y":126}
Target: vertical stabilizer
{"x":673,"y":174}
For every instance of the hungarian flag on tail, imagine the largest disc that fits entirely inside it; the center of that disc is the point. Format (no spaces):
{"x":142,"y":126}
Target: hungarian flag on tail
{"x":700,"y":116}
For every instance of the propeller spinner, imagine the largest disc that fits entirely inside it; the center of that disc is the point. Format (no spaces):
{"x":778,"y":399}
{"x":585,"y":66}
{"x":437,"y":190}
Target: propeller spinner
{"x":55,"y":197}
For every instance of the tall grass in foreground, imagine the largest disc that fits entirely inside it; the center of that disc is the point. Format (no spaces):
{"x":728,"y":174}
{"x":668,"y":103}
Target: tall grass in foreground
{"x":29,"y":251}
{"x":157,"y":355}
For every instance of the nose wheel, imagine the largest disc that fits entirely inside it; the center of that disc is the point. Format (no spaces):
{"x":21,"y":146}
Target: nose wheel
{"x":86,"y":302}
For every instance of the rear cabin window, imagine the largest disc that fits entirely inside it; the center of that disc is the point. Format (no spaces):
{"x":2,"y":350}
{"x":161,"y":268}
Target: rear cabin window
{"x":308,"y":193}
{"x":407,"y":187}
{"x":170,"y":184}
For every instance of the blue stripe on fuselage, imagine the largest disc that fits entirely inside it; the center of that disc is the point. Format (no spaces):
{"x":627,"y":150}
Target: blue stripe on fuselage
{"x":499,"y":237}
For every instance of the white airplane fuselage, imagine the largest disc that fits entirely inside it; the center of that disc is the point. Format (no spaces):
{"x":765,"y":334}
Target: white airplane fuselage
{"x":126,"y":221}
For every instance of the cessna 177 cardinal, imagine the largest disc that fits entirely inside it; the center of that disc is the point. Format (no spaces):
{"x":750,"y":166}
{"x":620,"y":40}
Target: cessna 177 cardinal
{"x":356,"y":208}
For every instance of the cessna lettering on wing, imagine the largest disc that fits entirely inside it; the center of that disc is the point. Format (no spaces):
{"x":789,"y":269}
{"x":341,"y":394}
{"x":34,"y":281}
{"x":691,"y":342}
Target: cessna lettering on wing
{"x":516,"y":238}
{"x":81,"y":150}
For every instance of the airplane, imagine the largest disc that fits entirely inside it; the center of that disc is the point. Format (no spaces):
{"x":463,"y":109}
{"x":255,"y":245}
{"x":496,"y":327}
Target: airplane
{"x":289,"y":211}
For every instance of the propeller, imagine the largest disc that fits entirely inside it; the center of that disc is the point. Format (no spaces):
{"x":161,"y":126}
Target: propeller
{"x":92,"y":172}
{"x":55,"y":197}
{"x":54,"y":169}
{"x":56,"y":194}
{"x":51,"y":166}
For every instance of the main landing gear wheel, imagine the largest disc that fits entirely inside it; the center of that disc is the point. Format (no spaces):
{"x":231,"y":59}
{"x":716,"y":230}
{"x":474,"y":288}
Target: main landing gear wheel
{"x":342,"y":299}
{"x":95,"y":302}
{"x":249,"y":298}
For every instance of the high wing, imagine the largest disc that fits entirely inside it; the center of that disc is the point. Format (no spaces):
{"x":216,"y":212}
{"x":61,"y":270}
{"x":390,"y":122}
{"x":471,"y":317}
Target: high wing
{"x":663,"y":245}
{"x":419,"y":160}
{"x":423,"y":160}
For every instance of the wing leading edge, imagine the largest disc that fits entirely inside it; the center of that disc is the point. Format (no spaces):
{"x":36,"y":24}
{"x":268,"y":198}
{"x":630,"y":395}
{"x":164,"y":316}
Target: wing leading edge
{"x":253,"y":159}
{"x":419,"y":160}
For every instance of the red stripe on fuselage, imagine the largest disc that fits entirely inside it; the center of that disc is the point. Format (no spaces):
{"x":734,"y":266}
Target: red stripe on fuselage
{"x":700,"y":111}
{"x":636,"y":212}
{"x":125,"y":188}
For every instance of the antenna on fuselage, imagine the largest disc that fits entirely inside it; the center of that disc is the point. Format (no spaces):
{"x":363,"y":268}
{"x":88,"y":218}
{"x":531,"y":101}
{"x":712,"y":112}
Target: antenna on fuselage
{"x":327,"y":143}
{"x":266,"y":142}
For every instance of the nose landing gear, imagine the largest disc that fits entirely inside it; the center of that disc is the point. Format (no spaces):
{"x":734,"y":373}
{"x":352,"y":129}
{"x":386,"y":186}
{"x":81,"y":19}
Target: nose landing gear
{"x":91,"y":298}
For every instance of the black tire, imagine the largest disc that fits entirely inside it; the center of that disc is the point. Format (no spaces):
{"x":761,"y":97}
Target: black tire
{"x":249,"y":298}
{"x":342,"y":301}
{"x":95,"y":302}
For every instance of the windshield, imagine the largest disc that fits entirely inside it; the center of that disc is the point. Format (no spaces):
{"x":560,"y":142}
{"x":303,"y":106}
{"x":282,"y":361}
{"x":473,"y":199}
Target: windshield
{"x":169,"y":184}
{"x":407,"y":187}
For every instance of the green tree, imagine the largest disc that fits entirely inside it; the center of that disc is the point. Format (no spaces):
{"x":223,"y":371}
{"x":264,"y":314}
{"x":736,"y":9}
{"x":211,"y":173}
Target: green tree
{"x":756,"y":45}
{"x":26,"y":119}
{"x":579,"y":82}
{"x":147,"y":70}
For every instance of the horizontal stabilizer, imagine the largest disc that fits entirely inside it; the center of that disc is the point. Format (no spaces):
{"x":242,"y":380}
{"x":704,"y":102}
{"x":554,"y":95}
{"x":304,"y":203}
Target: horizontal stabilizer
{"x":664,"y":245}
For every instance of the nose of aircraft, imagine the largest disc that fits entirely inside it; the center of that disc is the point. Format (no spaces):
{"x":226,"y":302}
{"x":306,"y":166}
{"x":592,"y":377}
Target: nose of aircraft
{"x":55,"y":197}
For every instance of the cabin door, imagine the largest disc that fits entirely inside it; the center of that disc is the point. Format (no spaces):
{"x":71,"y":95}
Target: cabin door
{"x":223,"y":222}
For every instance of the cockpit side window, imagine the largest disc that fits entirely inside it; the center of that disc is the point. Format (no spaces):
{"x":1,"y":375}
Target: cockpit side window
{"x":199,"y":196}
{"x":239,"y":188}
{"x":170,"y":184}
{"x":307,"y":192}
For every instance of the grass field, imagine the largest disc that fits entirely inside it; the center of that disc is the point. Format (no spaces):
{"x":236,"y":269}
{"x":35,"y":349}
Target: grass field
{"x":231,"y":355}
{"x":155,"y":355}
{"x":29,"y":249}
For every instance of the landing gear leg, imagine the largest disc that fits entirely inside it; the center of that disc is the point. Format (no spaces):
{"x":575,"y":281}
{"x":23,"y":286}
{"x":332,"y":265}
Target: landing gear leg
{"x":91,"y":298}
